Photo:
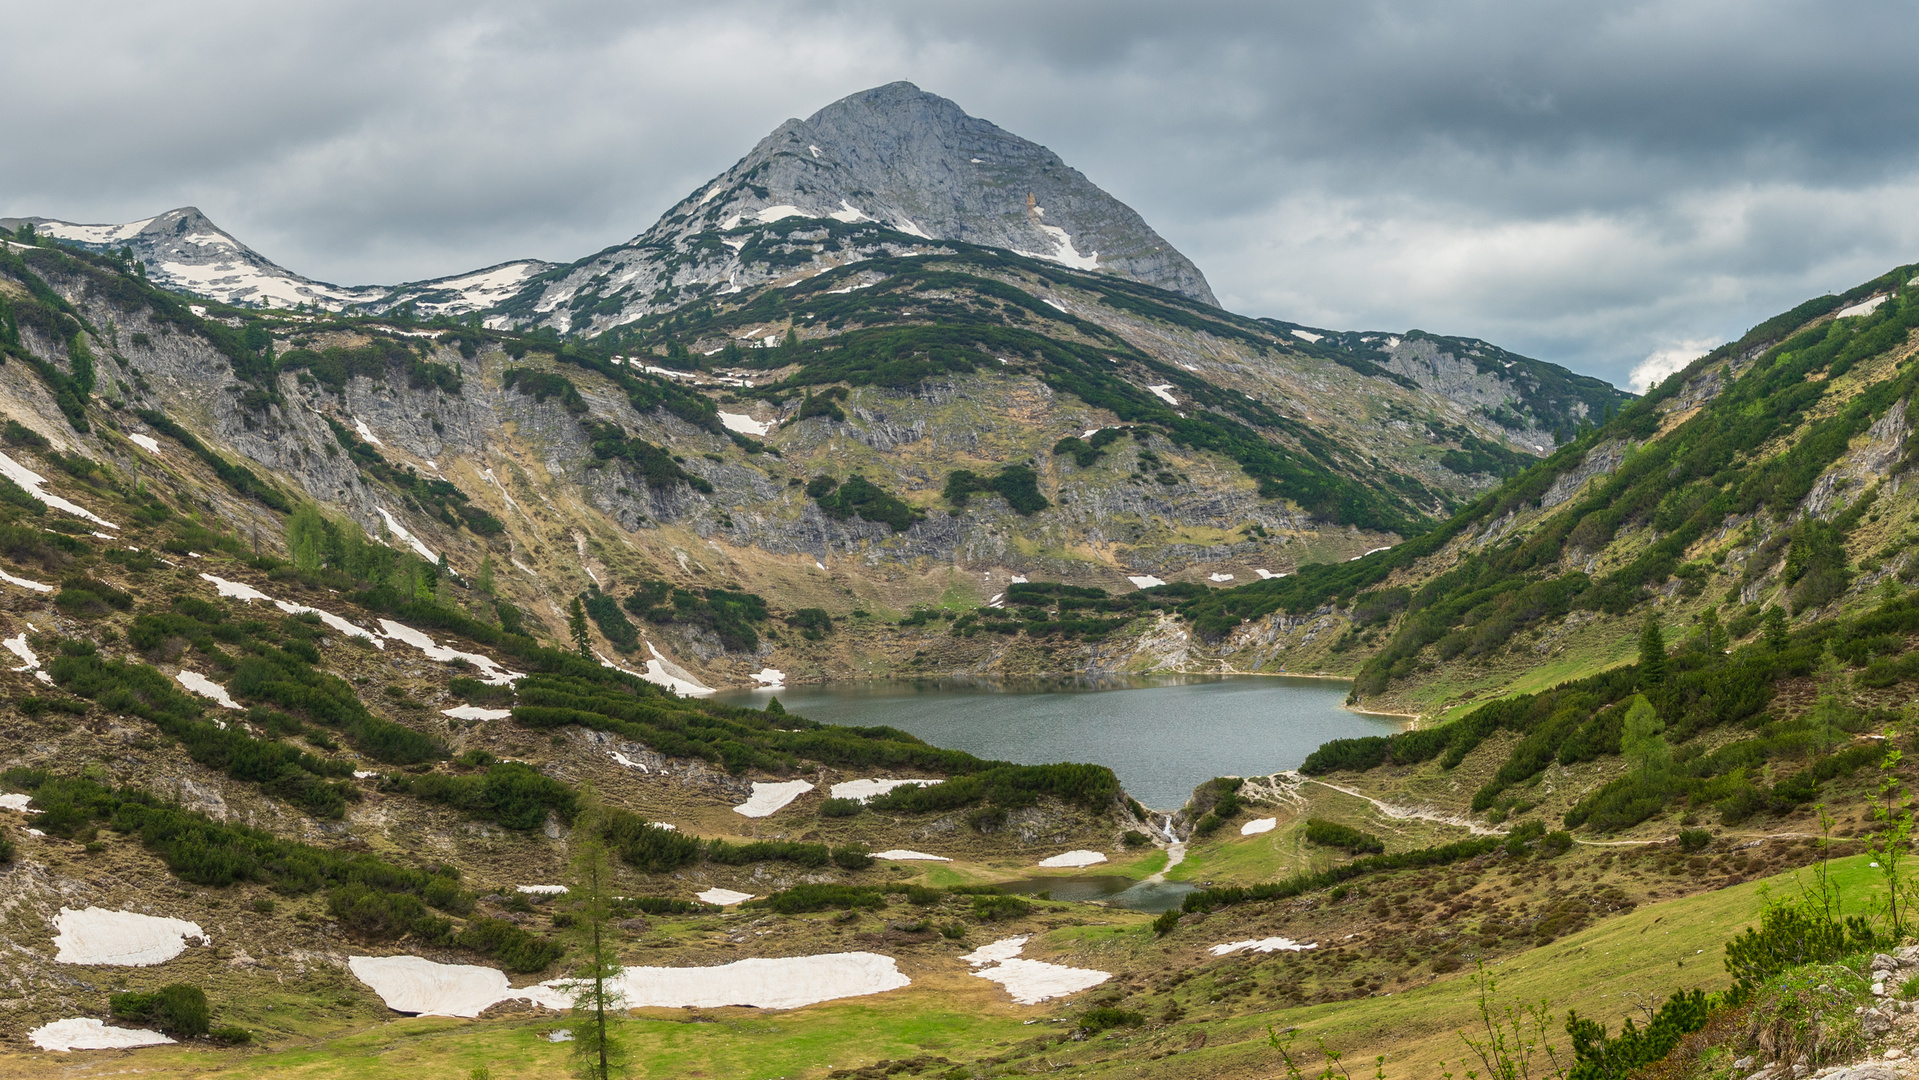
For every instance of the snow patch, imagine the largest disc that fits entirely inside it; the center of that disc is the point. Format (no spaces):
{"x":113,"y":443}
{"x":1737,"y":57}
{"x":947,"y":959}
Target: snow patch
{"x":815,"y":149}
{"x":207,"y":688}
{"x":904,"y":855}
{"x":723,"y":897}
{"x":1018,"y":579}
{"x":771,"y":678}
{"x":630,"y":763}
{"x":393,"y":526}
{"x":32,"y":481}
{"x":541,"y":890}
{"x":412,"y":984}
{"x":769,"y":214}
{"x":906,"y":226}
{"x":768,"y":798}
{"x":1079,"y":857}
{"x":1055,"y":303}
{"x":1267,"y":945}
{"x":491,"y":673}
{"x":663,"y":672}
{"x":1219,"y":577}
{"x":847,"y":213}
{"x":1370,"y":551}
{"x":1259,"y":825}
{"x":1163,"y":390}
{"x":16,"y":801}
{"x":24,"y":583}
{"x":1267,"y":575}
{"x":867,"y":789}
{"x":711,"y":192}
{"x":145,"y":442}
{"x":1863,"y":307}
{"x":476,"y":712}
{"x":121,"y":938}
{"x":1306,"y":335}
{"x":1030,"y":981}
{"x":359,"y":425}
{"x":31,"y":662}
{"x":745,"y":424}
{"x":85,"y":1033}
{"x":1144,"y":581}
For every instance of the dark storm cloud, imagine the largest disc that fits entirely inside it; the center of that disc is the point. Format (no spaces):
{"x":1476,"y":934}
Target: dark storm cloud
{"x":1594,"y":184}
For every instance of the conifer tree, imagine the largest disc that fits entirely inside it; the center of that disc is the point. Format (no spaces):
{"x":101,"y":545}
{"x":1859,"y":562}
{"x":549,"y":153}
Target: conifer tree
{"x":1652,"y":652}
{"x":597,"y":1053}
{"x":576,"y":625}
{"x":483,"y":580}
{"x":1776,"y":636}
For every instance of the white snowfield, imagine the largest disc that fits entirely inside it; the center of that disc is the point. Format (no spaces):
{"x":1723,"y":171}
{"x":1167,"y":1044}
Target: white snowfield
{"x":1219,"y":577}
{"x":1863,"y":307}
{"x":413,"y":984}
{"x":240,"y":590}
{"x":18,"y":646}
{"x":542,"y":890}
{"x":1074,"y":858}
{"x":92,"y":234}
{"x":745,"y":424}
{"x":1030,"y":981}
{"x":207,"y":688}
{"x":121,"y":938}
{"x":723,"y":897}
{"x":14,"y":800}
{"x":663,"y":672}
{"x":24,"y":583}
{"x":85,"y":1033}
{"x":359,"y":426}
{"x":410,"y":984}
{"x":476,"y":712}
{"x":1271,"y":944}
{"x":32,"y":482}
{"x":904,"y":855}
{"x":145,"y":442}
{"x":1145,"y":581}
{"x":1164,"y":390}
{"x":1258,"y":825}
{"x":1307,"y":335}
{"x":768,"y":798}
{"x":393,"y":526}
{"x":770,"y":678}
{"x":1267,"y":575}
{"x":491,"y":673}
{"x":867,"y":789}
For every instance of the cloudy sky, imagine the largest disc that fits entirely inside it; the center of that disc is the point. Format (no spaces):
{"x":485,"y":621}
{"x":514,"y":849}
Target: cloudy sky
{"x":1609,"y":186}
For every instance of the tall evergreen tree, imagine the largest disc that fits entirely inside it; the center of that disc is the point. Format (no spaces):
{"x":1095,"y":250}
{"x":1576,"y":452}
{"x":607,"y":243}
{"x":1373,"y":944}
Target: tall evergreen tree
{"x":597,"y":1053}
{"x":1776,"y":636}
{"x":1652,"y":652}
{"x":576,"y":625}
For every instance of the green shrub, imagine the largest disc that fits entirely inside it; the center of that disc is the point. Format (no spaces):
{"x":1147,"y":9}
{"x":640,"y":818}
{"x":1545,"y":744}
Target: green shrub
{"x":801,"y":899}
{"x":515,"y":949}
{"x":177,"y":1009}
{"x":852,"y":857}
{"x":1694,"y":839}
{"x":1094,"y":1021}
{"x":1350,"y":840}
{"x":230,"y":1035}
{"x":995,"y":908}
{"x":1168,"y":919}
{"x":841,"y":808}
{"x":1133,"y":838}
{"x":647,"y":847}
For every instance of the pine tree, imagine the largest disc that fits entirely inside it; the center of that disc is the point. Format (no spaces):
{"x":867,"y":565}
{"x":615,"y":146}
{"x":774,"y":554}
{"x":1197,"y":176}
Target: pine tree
{"x":484,"y":579}
{"x":1709,"y":626}
{"x":1652,"y":652}
{"x":1776,"y":636}
{"x":576,"y":625}
{"x":1641,"y":738}
{"x":597,"y":1053}
{"x":306,"y":537}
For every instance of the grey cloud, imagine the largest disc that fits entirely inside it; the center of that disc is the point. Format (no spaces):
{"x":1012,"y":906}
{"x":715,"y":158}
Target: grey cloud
{"x":1588,"y":183}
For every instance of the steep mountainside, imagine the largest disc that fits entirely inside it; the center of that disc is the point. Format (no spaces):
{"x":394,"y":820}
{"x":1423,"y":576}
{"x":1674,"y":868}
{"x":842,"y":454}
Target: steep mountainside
{"x":1770,"y":475}
{"x":894,"y":155}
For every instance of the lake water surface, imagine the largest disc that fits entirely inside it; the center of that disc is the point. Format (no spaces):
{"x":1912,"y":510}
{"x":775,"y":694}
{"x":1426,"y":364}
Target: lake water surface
{"x":1162,"y":735}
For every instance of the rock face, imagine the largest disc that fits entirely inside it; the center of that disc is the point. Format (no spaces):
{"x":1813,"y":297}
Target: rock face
{"x":893,"y":155}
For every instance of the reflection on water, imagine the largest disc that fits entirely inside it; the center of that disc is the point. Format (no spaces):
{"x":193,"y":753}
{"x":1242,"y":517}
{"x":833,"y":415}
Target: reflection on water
{"x":1163,"y":735}
{"x":1148,"y":896}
